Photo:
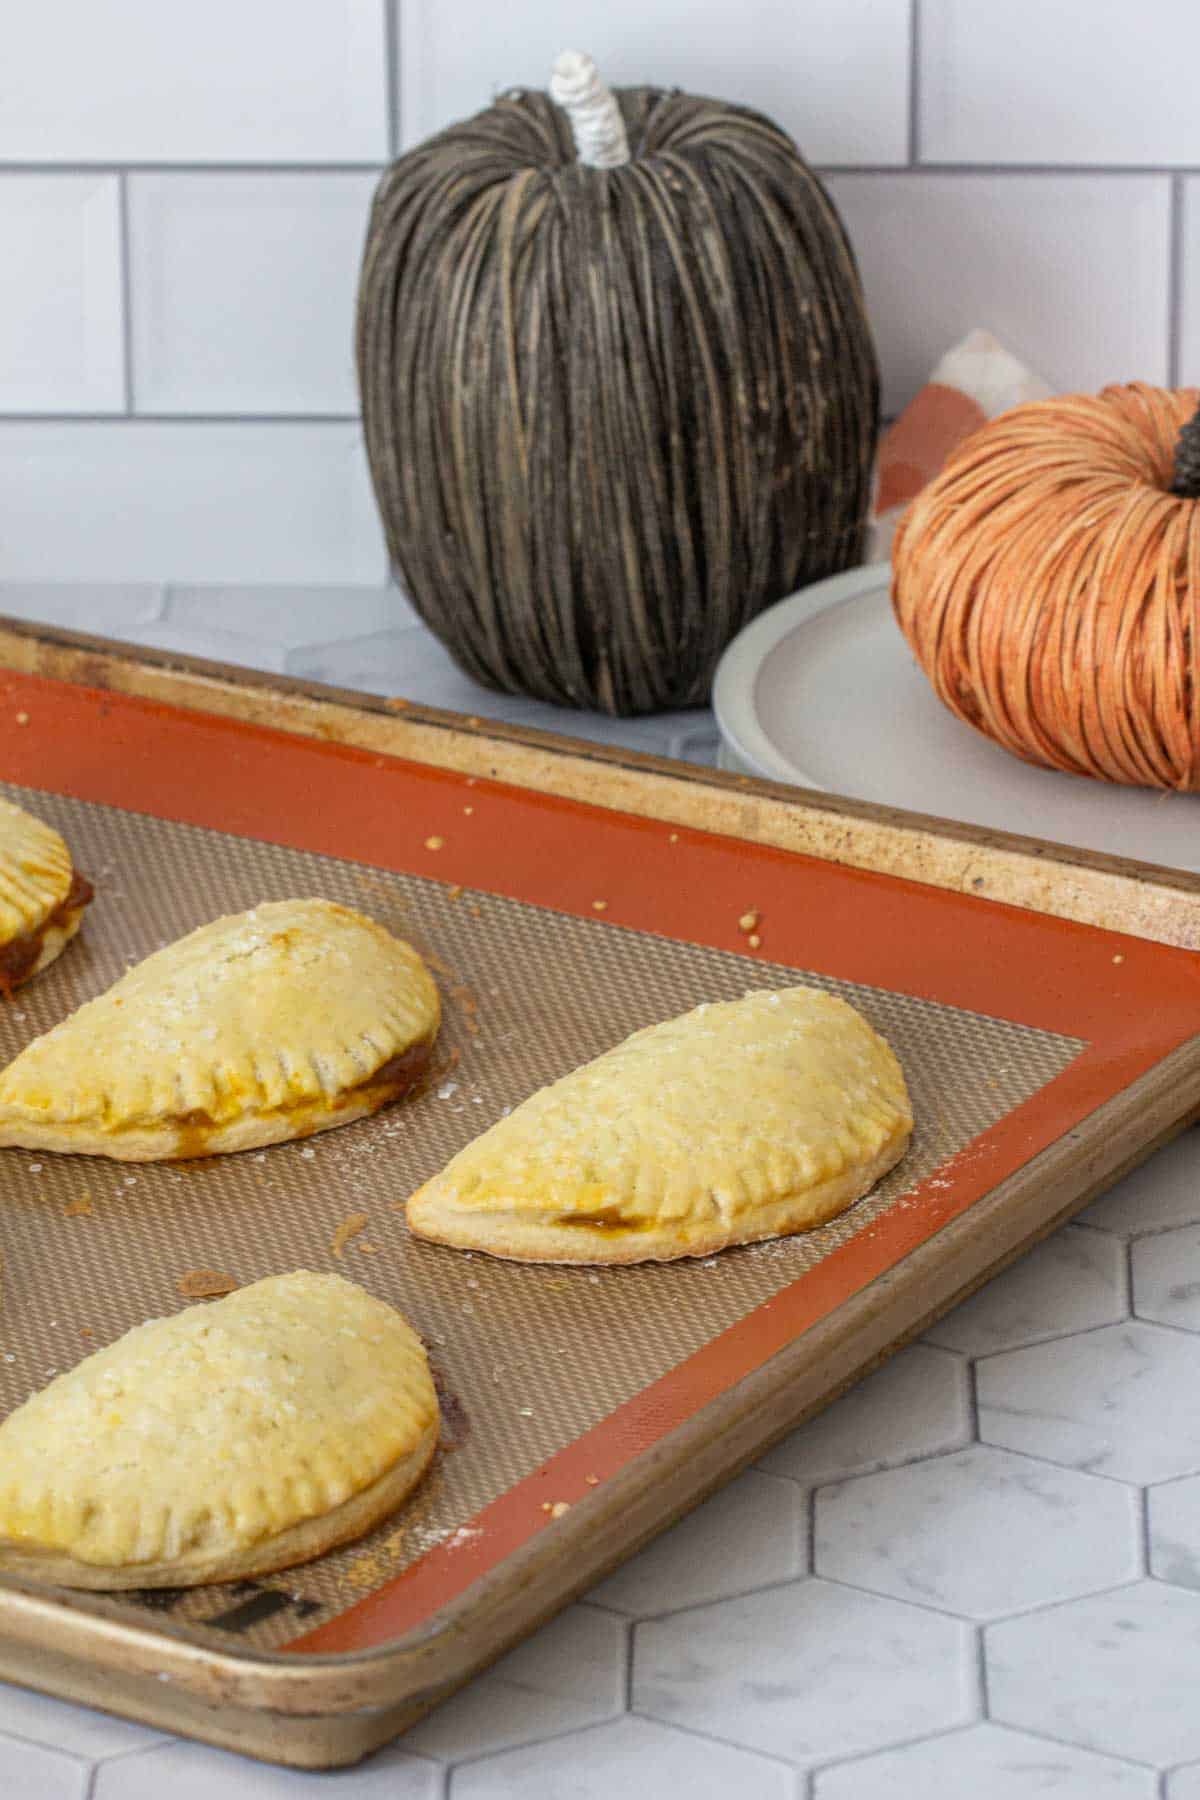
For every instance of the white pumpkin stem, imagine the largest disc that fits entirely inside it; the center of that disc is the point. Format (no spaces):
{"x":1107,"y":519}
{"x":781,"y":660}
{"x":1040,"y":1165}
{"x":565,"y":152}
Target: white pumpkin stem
{"x":591,"y":106}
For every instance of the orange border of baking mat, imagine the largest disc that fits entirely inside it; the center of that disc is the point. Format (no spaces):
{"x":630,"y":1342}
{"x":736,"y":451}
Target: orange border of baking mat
{"x":1131,"y":1001}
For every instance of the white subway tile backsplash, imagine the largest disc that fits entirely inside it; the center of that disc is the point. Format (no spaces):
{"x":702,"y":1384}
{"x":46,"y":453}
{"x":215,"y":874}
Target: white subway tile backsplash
{"x":60,"y":298}
{"x":144,"y":81}
{"x":1059,"y":81}
{"x":834,"y":75}
{"x":133,"y":501}
{"x":243,"y":291}
{"x":1189,"y":311}
{"x":1069,"y":271}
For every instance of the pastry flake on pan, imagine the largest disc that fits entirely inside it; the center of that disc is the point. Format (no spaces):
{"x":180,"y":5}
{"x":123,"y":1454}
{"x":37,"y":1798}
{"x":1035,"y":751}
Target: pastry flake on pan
{"x":229,"y":1440}
{"x":259,"y":1027}
{"x":742,"y":1120}
{"x":42,"y":898}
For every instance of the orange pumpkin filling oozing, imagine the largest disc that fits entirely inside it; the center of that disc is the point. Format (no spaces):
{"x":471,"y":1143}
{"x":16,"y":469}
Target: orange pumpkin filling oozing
{"x":19,"y":956}
{"x":394,"y":1078}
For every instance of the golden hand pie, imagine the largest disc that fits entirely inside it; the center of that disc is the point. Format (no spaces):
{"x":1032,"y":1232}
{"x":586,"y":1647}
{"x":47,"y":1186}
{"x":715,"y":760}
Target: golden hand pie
{"x":42,"y":898}
{"x":262,"y":1026}
{"x":742,"y":1120}
{"x":232,"y":1439}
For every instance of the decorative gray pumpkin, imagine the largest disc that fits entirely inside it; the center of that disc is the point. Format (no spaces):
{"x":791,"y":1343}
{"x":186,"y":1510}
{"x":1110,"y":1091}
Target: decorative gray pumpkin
{"x":618,"y":387}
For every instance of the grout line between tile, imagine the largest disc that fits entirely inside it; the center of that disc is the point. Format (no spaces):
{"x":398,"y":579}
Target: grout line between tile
{"x":883,"y":1468}
{"x":391,"y":34}
{"x":1079,"y":1331}
{"x":1175,"y":282}
{"x":711,"y":1737}
{"x":934,"y":1735}
{"x":972,"y":1402}
{"x":126,"y":281}
{"x":809,"y":1501}
{"x":1144,"y":1540}
{"x":981,"y":1675}
{"x":1148,"y":1324}
{"x":453,"y":1764}
{"x":914,"y":83}
{"x":373,"y":166}
{"x":982,"y":1624}
{"x":691,"y":1606}
{"x":1026,"y":1343}
{"x":914,"y":170}
{"x":1023,"y":1727}
{"x":151,"y":418}
{"x":111,"y":1756}
{"x":215,"y":166}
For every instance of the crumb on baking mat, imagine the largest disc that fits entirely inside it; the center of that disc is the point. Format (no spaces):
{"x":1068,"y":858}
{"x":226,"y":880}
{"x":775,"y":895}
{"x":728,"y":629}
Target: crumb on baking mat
{"x":204,"y":1284}
{"x":348,"y":1229}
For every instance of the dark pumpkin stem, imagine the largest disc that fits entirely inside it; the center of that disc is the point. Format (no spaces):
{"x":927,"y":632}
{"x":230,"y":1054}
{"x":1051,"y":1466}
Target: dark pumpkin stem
{"x":1187,"y":460}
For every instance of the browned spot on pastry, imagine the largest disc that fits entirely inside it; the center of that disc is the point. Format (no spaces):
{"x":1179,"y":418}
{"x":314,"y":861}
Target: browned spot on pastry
{"x":349,"y":1228}
{"x":390,"y":1081}
{"x":401,"y":1072}
{"x":606,"y":1218}
{"x":205,"y":1284}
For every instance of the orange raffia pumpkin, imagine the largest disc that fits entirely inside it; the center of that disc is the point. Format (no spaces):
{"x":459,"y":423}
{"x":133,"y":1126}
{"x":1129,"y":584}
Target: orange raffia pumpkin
{"x":1048,"y":581}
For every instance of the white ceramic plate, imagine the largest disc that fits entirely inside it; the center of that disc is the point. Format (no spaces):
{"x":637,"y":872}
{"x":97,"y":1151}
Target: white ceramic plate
{"x":822,"y":690}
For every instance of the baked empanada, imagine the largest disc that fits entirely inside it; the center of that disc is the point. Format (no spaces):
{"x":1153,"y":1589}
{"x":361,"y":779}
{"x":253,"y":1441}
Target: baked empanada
{"x":42,"y":897}
{"x":262,"y":1026}
{"x":232,"y":1439}
{"x":742,"y":1120}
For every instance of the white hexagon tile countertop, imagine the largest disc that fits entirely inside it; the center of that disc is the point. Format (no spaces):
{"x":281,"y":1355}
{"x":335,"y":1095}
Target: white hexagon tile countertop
{"x":977,"y":1573}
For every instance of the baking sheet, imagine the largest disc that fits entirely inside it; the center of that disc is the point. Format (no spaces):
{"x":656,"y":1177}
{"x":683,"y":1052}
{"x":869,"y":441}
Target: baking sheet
{"x":529,"y":1358}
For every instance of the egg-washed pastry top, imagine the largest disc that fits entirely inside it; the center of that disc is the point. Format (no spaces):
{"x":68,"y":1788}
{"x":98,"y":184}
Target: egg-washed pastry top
{"x":234,"y":1437}
{"x":742,"y":1120}
{"x":42,"y":896}
{"x":258,"y":1027}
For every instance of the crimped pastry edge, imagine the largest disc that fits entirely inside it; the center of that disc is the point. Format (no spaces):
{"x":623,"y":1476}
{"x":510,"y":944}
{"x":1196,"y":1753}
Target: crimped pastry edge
{"x":353,"y":1518}
{"x":55,"y":939}
{"x":171,"y":1141}
{"x":517,"y":1240}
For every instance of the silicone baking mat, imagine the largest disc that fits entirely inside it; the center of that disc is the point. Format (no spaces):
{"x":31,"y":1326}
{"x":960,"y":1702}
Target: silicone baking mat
{"x":555,"y":931}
